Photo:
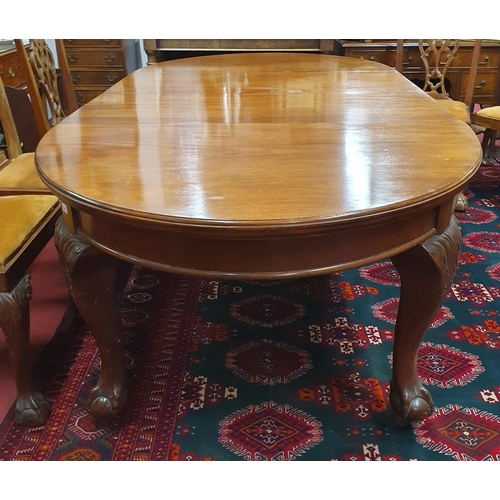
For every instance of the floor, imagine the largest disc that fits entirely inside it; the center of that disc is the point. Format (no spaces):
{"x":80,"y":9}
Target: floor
{"x":47,"y":307}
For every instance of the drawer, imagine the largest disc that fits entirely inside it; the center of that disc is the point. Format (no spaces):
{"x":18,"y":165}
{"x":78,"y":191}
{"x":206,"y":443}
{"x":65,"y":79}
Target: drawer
{"x":97,"y":77}
{"x":91,"y":42}
{"x":9,"y":71}
{"x":96,"y":58}
{"x":412,"y":60}
{"x":83,"y":96}
{"x":488,"y":59}
{"x":381,"y":56}
{"x":484,"y":83}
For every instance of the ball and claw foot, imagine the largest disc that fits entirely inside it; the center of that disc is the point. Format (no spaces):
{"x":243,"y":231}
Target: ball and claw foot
{"x":31,"y":411}
{"x":105,"y":405}
{"x":461,"y":202}
{"x":413,"y":406}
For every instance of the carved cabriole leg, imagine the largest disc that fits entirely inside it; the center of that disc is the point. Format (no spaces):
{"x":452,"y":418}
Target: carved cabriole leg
{"x":31,"y":407}
{"x":426,"y":273}
{"x":90,"y":275}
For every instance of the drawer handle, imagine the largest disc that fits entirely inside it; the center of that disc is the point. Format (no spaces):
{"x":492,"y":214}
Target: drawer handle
{"x":111,"y":78}
{"x":75,"y":78}
{"x":483,"y":83}
{"x":372,"y":58}
{"x":109,"y":58}
{"x":72,"y":58}
{"x":70,"y":41}
{"x":107,"y":40}
{"x":11,"y":73}
{"x":79,"y":97}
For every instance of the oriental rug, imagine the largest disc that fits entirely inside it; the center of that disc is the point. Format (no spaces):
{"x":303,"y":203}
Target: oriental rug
{"x":283,"y":370}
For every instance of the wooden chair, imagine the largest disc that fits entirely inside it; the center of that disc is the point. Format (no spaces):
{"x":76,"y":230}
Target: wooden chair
{"x":17,"y":174}
{"x":28,"y":223}
{"x":37,"y":63}
{"x":24,"y":118}
{"x":437,"y":56}
{"x":489,"y":118}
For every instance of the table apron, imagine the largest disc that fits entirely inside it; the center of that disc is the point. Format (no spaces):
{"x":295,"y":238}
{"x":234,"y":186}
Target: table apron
{"x":254,"y":255}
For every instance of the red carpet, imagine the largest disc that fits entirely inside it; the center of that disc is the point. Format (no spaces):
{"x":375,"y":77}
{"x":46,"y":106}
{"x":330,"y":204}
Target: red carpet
{"x":49,"y":303}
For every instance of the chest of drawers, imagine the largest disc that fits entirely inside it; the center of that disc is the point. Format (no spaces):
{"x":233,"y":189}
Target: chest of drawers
{"x":97,"y":64}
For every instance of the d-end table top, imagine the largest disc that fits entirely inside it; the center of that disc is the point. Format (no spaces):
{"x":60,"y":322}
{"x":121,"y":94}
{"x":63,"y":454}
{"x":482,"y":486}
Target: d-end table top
{"x":259,"y":166}
{"x":259,"y":139}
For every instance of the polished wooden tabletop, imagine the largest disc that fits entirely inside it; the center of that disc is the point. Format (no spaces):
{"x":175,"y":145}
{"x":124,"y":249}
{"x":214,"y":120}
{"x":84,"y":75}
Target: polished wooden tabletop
{"x":258,"y":142}
{"x":258,"y":138}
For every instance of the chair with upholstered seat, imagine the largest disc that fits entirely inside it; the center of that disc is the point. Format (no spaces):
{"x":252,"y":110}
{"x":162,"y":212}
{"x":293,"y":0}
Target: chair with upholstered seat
{"x":37,"y":63}
{"x":489,"y":118}
{"x":437,"y":55}
{"x":28,"y":223}
{"x":17,"y":173}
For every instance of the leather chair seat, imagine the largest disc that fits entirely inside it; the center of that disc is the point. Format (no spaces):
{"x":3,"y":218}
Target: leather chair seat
{"x":20,"y":216}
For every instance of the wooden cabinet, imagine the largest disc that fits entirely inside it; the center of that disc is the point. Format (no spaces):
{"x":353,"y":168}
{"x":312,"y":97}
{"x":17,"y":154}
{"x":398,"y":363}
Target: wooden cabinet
{"x":12,"y":76}
{"x":10,"y":71}
{"x":487,"y":84}
{"x":98,"y":64}
{"x":163,"y":50}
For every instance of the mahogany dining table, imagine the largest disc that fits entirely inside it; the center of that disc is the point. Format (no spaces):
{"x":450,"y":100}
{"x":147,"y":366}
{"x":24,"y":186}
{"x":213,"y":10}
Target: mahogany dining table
{"x":259,"y":166}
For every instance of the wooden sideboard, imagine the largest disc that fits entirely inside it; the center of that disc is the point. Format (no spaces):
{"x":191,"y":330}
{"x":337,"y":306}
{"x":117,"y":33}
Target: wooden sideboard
{"x":97,"y":64}
{"x":163,"y":50}
{"x":487,"y":82}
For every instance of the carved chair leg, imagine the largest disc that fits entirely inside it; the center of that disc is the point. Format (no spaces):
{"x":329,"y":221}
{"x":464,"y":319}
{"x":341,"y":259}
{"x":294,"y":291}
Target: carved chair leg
{"x":90,"y":275}
{"x":31,"y":407}
{"x":426,"y":273}
{"x":485,"y":141}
